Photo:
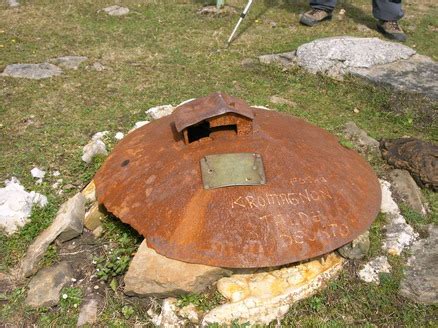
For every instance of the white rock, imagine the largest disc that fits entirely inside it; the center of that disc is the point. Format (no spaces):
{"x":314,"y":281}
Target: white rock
{"x":57,"y":184}
{"x":99,"y":135}
{"x":98,"y":67}
{"x":13,"y":3}
{"x":37,"y":173}
{"x":340,"y":54}
{"x":398,"y":234}
{"x":138,"y":124}
{"x":160,"y":111}
{"x":168,"y":317}
{"x":92,"y":149}
{"x":67,"y":225}
{"x":119,"y":136}
{"x":263,"y":297}
{"x":16,"y":205}
{"x":116,"y":10}
{"x":56,"y":174}
{"x":370,"y":271}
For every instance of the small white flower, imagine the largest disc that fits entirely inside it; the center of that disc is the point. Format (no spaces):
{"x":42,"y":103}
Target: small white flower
{"x":118,"y":257}
{"x":75,"y":305}
{"x":97,"y":270}
{"x":64,"y":296}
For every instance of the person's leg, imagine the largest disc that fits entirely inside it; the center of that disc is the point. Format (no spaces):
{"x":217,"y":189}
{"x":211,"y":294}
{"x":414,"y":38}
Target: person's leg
{"x":326,"y":5}
{"x":388,"y":12}
{"x":321,"y":11}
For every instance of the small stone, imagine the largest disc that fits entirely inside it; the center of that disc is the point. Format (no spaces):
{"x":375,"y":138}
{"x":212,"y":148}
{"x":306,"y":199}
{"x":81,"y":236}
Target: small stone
{"x":98,"y":67}
{"x":190,"y":312}
{"x":363,"y":28}
{"x":276,"y":100}
{"x":119,"y":136}
{"x":418,"y":157}
{"x":363,"y":143}
{"x":13,"y":3}
{"x":358,"y":248}
{"x":69,"y":62}
{"x":138,"y":124}
{"x":355,"y":110}
{"x":370,"y":271}
{"x":98,"y":231}
{"x":89,"y":192}
{"x":160,"y":111}
{"x":87,"y":313}
{"x":286,"y":60}
{"x":116,"y":10}
{"x":151,"y":274}
{"x":57,"y":184}
{"x":420,"y":282}
{"x":37,"y":173}
{"x":45,"y":287}
{"x":168,"y":317}
{"x":215,"y":12}
{"x":406,"y":190}
{"x":96,"y":287}
{"x":32,"y":71}
{"x":92,"y":149}
{"x":99,"y":135}
{"x":16,"y":205}
{"x":67,"y":225}
{"x":94,"y":216}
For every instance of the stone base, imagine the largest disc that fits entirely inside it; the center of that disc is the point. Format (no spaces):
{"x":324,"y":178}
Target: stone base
{"x":151,"y":274}
{"x":260,"y":298}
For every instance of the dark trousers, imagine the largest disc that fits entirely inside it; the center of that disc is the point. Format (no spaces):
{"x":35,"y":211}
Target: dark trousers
{"x":387,"y":10}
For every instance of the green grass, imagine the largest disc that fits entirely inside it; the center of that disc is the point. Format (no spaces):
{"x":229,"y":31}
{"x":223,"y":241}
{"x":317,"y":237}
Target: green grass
{"x":163,"y":52}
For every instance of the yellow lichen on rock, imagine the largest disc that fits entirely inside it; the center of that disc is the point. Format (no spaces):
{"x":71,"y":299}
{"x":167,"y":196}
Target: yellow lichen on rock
{"x":261,"y":297}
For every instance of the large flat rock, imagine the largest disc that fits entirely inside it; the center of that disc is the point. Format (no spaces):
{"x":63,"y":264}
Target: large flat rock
{"x":420,"y":282}
{"x":45,"y":287}
{"x":151,"y":274}
{"x":32,"y":71}
{"x":382,"y":62}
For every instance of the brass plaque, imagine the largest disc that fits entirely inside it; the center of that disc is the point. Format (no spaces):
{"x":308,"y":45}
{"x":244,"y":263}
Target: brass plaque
{"x":237,"y":169}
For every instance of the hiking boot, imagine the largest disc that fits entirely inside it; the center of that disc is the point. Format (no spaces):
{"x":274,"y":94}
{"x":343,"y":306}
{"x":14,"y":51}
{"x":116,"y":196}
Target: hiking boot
{"x":315,"y":16}
{"x":391,"y":30}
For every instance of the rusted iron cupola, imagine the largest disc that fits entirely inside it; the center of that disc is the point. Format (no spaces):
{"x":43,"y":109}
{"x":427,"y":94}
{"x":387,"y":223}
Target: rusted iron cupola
{"x":224,"y":184}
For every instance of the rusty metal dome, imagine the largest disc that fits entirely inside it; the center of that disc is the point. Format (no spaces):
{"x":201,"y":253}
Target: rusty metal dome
{"x":224,"y":184}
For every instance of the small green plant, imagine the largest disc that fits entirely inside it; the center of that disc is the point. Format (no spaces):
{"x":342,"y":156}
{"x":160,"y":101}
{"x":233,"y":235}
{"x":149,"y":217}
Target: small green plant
{"x":127,"y":311}
{"x":70,"y":298}
{"x":113,"y":265}
{"x":203,"y":302}
{"x":316,"y":303}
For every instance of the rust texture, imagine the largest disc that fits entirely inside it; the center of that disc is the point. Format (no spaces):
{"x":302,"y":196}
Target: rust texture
{"x":318,"y":195}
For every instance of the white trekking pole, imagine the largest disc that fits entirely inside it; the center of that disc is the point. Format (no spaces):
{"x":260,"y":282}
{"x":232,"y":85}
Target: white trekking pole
{"x":242,"y":16}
